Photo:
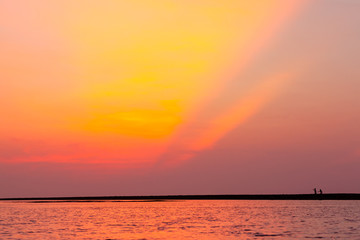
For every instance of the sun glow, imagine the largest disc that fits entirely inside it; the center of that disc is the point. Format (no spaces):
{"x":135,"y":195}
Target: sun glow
{"x":125,"y":81}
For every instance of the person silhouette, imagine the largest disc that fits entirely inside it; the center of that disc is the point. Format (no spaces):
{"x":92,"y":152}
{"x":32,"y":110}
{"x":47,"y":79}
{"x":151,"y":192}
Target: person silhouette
{"x":320,"y":191}
{"x":315,"y":191}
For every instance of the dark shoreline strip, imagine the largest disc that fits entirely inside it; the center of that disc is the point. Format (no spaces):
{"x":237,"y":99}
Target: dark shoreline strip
{"x":330,"y":196}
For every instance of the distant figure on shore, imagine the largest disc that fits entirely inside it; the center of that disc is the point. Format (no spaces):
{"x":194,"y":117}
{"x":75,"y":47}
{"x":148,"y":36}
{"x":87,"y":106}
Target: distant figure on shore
{"x":315,"y":192}
{"x":320,"y":191}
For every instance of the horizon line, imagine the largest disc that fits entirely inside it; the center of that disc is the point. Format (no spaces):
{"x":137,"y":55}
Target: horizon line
{"x":296,"y":196}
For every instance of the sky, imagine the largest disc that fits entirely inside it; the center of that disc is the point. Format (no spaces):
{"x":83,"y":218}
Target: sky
{"x":179,"y":97}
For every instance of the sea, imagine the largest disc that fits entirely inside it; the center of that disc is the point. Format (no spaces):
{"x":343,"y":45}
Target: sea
{"x":185,"y":219}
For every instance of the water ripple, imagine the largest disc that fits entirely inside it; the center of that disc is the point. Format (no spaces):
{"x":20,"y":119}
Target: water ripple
{"x":181,"y":220}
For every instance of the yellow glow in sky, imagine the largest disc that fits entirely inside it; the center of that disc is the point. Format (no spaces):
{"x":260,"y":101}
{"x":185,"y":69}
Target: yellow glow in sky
{"x":92,"y":73}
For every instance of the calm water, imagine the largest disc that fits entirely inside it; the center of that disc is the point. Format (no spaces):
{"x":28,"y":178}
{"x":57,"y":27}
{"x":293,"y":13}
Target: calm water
{"x":239,"y":219}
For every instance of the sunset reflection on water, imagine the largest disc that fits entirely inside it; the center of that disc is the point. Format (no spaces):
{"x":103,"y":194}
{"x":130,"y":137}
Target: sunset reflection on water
{"x":180,"y":220}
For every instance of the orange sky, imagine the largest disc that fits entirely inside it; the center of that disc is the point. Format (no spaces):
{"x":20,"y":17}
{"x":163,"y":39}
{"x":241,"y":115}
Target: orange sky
{"x":118,"y":77}
{"x":144,"y":84}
